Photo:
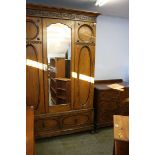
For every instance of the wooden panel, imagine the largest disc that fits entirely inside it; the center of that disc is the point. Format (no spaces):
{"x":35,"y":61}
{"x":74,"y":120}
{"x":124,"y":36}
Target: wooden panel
{"x":124,"y":102}
{"x":51,"y":123}
{"x":32,"y":78}
{"x":105,"y":117}
{"x":63,"y":123}
{"x":84,"y":70}
{"x":84,"y":64}
{"x":109,"y":94}
{"x":121,"y":128}
{"x":33,"y":29}
{"x":121,"y":135}
{"x":34,"y":65}
{"x":85,"y":32}
{"x":121,"y":147}
{"x":75,"y":120}
{"x":29,"y":131}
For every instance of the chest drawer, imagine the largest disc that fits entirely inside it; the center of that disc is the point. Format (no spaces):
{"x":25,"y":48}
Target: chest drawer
{"x":124,"y":94}
{"x":108,"y":94}
{"x":107,"y":97}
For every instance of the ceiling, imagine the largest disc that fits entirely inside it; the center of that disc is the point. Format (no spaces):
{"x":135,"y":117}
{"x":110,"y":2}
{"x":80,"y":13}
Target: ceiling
{"x":118,"y":8}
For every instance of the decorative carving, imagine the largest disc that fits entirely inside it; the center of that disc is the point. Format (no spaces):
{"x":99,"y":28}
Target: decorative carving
{"x":84,"y":88}
{"x":85,"y":33}
{"x":75,"y":120}
{"x":31,"y":54}
{"x":60,"y":15}
{"x":30,"y":24}
{"x":45,"y":124}
{"x":28,"y":42}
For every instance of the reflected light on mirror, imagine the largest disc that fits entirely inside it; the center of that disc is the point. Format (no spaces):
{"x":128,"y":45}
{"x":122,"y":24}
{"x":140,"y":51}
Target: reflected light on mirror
{"x":36,"y":64}
{"x":116,"y":86}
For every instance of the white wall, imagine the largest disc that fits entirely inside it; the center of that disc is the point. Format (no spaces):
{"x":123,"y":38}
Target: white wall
{"x":112,"y":48}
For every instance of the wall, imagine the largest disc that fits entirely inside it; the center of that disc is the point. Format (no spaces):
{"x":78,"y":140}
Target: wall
{"x":112,"y":48}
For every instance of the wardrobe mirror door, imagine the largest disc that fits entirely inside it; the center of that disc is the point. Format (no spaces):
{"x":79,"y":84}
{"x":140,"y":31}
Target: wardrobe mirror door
{"x":59,"y":60}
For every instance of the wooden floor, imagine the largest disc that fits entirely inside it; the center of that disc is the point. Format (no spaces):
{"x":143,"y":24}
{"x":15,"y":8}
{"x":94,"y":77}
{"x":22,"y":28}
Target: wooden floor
{"x":100,"y":143}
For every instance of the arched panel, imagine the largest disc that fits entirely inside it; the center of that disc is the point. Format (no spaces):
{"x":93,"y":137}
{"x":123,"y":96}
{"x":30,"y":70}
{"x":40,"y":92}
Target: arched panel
{"x":84,"y":75}
{"x":32,"y":77}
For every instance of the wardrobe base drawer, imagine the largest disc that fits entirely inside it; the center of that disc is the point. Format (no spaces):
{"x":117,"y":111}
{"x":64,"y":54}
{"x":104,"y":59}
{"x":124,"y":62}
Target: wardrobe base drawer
{"x":77,"y":120}
{"x":52,"y":133}
{"x":47,"y":123}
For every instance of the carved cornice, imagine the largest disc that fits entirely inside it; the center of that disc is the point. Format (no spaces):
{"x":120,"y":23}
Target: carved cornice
{"x":59,"y":13}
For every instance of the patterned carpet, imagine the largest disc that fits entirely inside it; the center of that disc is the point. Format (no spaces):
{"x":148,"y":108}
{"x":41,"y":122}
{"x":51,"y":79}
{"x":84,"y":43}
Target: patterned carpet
{"x":100,"y":143}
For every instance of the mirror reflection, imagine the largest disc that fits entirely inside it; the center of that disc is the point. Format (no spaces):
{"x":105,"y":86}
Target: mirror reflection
{"x":59,"y":63}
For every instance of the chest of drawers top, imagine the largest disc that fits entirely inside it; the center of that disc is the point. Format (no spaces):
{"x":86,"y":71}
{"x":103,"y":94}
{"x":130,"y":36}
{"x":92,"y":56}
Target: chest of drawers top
{"x":115,"y":84}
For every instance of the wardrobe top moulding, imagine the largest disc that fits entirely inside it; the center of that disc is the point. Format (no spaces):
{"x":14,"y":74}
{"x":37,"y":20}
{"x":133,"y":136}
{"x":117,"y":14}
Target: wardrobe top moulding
{"x":60,"y":13}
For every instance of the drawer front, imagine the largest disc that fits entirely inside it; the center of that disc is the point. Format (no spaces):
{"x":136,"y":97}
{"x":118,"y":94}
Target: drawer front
{"x":106,"y":117}
{"x":109,"y":93}
{"x":108,"y":97}
{"x":76,"y":120}
{"x":47,"y":124}
{"x":124,"y":103}
{"x":124,"y":109}
{"x":107,"y":105}
{"x":124,"y":94}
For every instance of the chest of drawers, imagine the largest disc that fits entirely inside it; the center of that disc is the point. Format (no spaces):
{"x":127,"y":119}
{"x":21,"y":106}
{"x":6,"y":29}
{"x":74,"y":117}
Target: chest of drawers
{"x":111,"y":97}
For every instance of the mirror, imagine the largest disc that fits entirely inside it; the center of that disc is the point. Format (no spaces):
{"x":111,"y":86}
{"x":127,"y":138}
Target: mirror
{"x":59,"y":63}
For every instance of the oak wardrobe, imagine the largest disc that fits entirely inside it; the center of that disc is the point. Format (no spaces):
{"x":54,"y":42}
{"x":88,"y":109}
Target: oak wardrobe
{"x":60,"y":59}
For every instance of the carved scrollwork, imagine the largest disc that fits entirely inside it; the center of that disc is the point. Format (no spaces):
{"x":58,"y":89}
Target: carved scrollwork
{"x":60,"y":15}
